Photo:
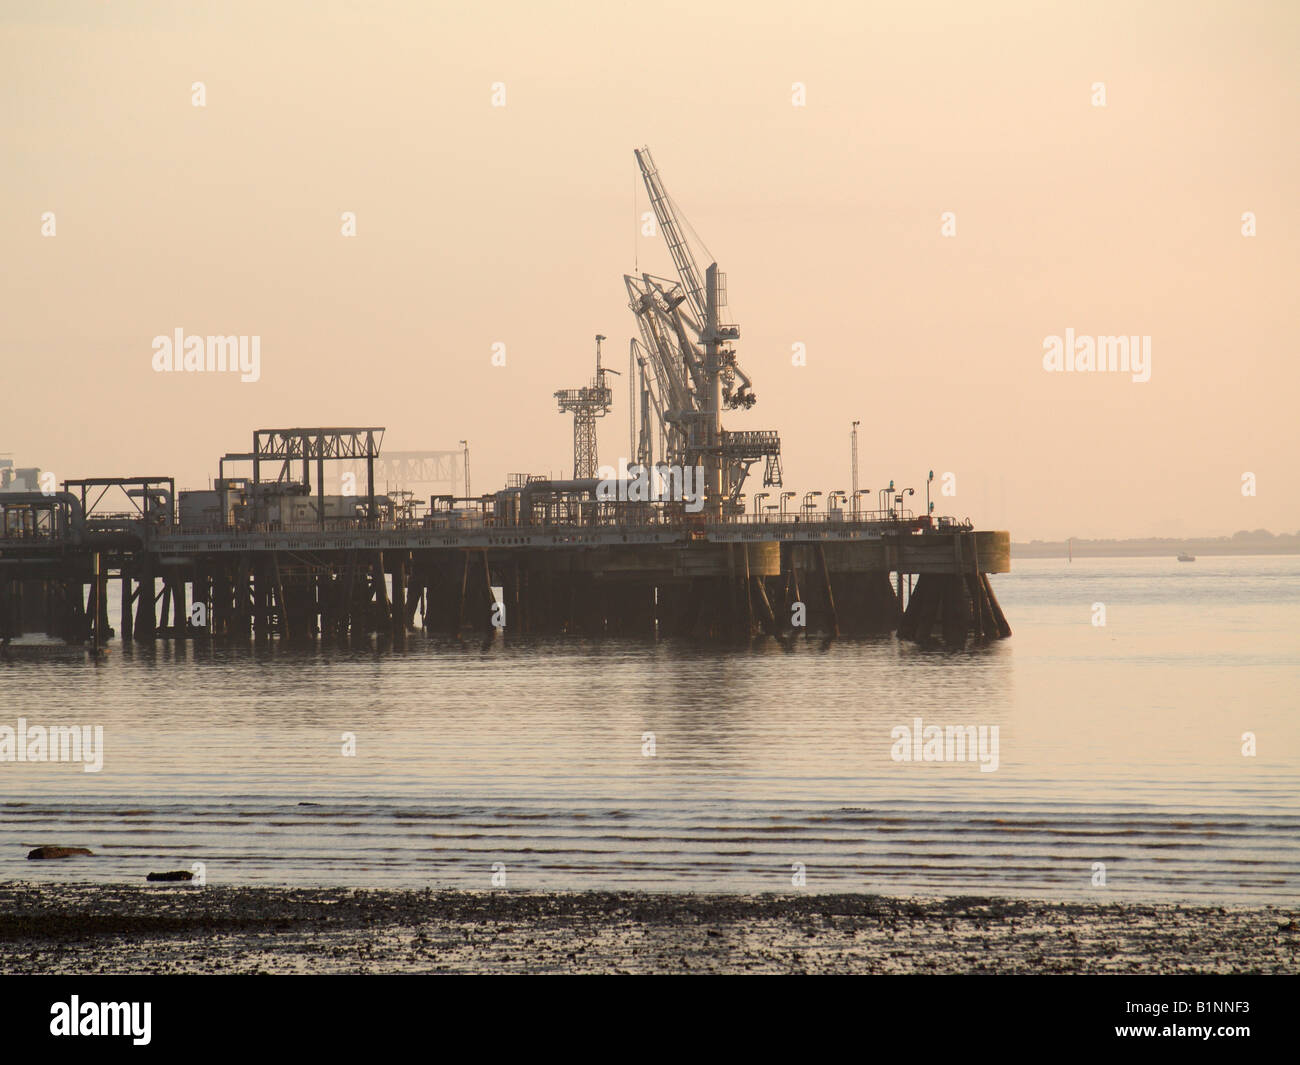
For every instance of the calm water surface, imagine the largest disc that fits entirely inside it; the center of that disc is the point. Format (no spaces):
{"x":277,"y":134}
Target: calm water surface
{"x":1118,"y":744}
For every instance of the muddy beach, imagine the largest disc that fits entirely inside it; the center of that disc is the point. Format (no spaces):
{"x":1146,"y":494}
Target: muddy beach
{"x":169,"y":928}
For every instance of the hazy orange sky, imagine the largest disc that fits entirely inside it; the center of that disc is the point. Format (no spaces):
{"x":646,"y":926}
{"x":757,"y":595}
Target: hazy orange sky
{"x":479,"y":224}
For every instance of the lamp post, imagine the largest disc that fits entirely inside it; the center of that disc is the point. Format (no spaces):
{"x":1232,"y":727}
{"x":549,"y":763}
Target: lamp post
{"x":465,"y":445}
{"x":898,"y":499}
{"x":757,"y":499}
{"x":857,"y":507}
{"x":854,"y":439}
{"x":808,"y":503}
{"x":929,"y":507}
{"x":784,"y":497}
{"x":839,"y":494}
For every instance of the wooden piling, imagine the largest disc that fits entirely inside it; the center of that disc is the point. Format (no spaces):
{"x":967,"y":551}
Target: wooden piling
{"x":383,"y":614}
{"x":955,"y":621}
{"x":490,"y":601}
{"x":281,"y":605}
{"x":399,"y":596}
{"x":826,"y":587}
{"x":180,"y":630}
{"x":976,"y":593}
{"x":769,"y":618}
{"x":125,"y":624}
{"x":999,"y":619}
{"x":100,"y":608}
{"x":414,"y":595}
{"x":346,"y":607}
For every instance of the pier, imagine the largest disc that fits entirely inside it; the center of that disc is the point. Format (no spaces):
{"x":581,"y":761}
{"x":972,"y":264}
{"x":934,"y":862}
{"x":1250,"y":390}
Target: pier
{"x":665,"y":545}
{"x":564,"y":563}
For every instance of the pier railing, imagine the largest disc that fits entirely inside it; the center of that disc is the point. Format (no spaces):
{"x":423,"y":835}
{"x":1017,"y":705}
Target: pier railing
{"x":882,"y":521}
{"x":617,"y":519}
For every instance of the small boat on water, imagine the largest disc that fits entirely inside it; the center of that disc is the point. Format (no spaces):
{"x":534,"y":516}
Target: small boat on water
{"x":1185,"y":557}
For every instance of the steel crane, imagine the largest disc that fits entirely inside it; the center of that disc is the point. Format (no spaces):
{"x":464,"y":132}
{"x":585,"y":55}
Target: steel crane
{"x":688,"y":364}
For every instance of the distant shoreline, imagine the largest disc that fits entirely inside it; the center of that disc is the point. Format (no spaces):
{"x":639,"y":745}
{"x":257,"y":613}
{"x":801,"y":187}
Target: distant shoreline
{"x":85,"y":929}
{"x":1288,"y":545}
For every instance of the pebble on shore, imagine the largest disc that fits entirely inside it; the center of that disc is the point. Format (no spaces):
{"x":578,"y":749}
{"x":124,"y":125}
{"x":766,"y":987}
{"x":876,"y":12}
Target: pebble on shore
{"x":57,"y":852}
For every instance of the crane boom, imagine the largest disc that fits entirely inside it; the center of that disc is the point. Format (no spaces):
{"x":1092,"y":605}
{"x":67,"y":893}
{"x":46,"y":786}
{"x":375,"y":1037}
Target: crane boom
{"x":688,"y":363}
{"x":673,"y":236}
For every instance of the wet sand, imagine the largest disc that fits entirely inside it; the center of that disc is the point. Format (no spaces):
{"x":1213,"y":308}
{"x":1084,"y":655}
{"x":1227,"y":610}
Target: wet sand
{"x":168,"y":928}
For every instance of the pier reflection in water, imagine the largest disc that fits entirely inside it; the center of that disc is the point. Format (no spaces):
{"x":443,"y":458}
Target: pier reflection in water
{"x":1119,"y":745}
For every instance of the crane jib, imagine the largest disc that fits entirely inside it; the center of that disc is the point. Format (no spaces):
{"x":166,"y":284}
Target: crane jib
{"x":689,"y":368}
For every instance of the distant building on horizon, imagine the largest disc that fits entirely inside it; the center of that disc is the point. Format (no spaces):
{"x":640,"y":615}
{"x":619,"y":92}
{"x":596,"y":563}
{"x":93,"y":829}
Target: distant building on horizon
{"x":19,"y":478}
